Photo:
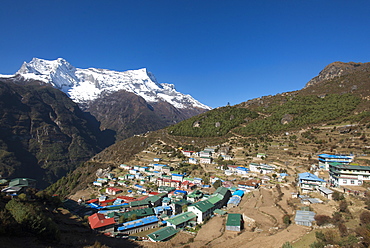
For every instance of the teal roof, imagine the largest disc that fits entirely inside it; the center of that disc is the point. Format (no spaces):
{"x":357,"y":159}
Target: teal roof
{"x":162,"y":234}
{"x":22,"y":182}
{"x":196,"y":193}
{"x":222,"y":191}
{"x":349,"y":166}
{"x":215,"y":198}
{"x":138,"y":212}
{"x":181,"y":218}
{"x":220,"y":212}
{"x":234,"y":220}
{"x":203,"y":206}
{"x":182,"y":202}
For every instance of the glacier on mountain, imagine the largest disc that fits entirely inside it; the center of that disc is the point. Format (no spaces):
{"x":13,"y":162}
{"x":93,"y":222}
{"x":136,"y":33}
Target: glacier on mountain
{"x":84,"y":85}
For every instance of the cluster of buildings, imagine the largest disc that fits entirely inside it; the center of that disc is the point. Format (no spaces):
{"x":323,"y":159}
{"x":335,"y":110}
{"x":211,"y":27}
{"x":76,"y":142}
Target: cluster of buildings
{"x":343,"y":171}
{"x":173,"y":209}
{"x":207,"y":155}
{"x":157,"y":174}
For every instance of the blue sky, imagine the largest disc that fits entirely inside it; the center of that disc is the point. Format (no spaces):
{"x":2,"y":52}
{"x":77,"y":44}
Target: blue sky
{"x":217,"y":51}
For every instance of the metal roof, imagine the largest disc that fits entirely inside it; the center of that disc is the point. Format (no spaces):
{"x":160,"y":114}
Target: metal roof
{"x":302,"y":216}
{"x":203,"y":206}
{"x":222,"y":191}
{"x":349,"y":166}
{"x":309,"y":176}
{"x":138,"y":223}
{"x":162,"y":234}
{"x":335,"y":156}
{"x":326,"y":190}
{"x":181,"y":218}
{"x":234,"y":220}
{"x":234,"y":200}
{"x":239,"y":193}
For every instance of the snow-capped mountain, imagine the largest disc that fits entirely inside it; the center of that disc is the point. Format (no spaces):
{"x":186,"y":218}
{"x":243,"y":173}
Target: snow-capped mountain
{"x":85,"y":85}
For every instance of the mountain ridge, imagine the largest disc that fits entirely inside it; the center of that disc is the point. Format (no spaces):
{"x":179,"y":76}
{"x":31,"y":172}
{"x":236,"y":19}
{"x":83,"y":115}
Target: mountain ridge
{"x":84,"y":85}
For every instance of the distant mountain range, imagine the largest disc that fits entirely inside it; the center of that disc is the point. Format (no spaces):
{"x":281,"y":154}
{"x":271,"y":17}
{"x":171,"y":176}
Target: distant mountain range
{"x":55,"y":116}
{"x":129,"y":102}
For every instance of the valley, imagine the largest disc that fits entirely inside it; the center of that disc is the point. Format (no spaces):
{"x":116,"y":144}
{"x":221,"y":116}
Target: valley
{"x":248,"y":175}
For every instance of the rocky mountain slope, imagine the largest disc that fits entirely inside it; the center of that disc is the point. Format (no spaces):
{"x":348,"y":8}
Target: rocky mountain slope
{"x":114,"y":97}
{"x":43,"y":134}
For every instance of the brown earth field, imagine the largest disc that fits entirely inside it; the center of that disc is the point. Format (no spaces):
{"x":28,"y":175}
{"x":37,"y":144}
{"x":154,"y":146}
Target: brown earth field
{"x":268,"y":230}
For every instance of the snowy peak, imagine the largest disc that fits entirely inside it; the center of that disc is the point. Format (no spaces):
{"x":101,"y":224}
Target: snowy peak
{"x":84,"y":85}
{"x":58,"y":72}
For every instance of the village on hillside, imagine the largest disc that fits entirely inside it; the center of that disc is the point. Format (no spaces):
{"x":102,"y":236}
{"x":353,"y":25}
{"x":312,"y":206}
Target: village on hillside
{"x":156,"y":200}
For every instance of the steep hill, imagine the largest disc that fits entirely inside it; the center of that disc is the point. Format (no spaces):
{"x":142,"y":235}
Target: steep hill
{"x":43,"y":134}
{"x":314,"y":119}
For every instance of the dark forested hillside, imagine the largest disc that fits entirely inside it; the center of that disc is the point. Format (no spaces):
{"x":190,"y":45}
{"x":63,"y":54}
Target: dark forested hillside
{"x":43,"y":133}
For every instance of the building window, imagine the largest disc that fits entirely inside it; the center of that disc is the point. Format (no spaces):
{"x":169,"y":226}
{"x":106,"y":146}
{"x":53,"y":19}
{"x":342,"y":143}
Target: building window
{"x":344,"y":181}
{"x":352,"y":181}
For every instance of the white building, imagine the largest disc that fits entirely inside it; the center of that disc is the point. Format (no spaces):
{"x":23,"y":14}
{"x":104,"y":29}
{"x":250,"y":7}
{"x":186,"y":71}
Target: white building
{"x":346,"y":174}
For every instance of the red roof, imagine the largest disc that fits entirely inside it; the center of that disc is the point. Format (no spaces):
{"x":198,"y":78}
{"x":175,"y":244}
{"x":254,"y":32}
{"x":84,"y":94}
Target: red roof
{"x":126,"y":198}
{"x":153,"y":193}
{"x":92,"y":200}
{"x":98,"y":220}
{"x":107,"y":201}
{"x":114,"y":189}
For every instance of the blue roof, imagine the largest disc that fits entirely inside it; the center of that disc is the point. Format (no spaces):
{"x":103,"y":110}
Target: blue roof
{"x":334,"y":156}
{"x":234,"y":200}
{"x":160,"y":165}
{"x":242,"y":168}
{"x":309,"y":176}
{"x":160,"y":209}
{"x":177,"y":175}
{"x":239,"y":193}
{"x":115,"y":206}
{"x":180,"y":192}
{"x":93,"y":205}
{"x":197,"y":178}
{"x":138,"y":223}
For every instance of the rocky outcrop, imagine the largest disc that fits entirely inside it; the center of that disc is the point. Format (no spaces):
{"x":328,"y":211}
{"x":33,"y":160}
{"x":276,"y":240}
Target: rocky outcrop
{"x":334,"y":70}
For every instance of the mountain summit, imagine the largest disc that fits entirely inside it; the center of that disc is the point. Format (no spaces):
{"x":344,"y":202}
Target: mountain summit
{"x":84,"y":85}
{"x":127,"y":103}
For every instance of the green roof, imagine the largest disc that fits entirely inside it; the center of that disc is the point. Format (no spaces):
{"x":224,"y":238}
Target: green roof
{"x":349,"y":166}
{"x":166,"y":188}
{"x":22,"y":182}
{"x":222,"y":191}
{"x":182,"y":202}
{"x":234,"y":220}
{"x":215,"y":199}
{"x":195,"y":193}
{"x":203,"y":206}
{"x":181,"y":218}
{"x":162,"y":234}
{"x":138,"y":212}
{"x":220,"y":212}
